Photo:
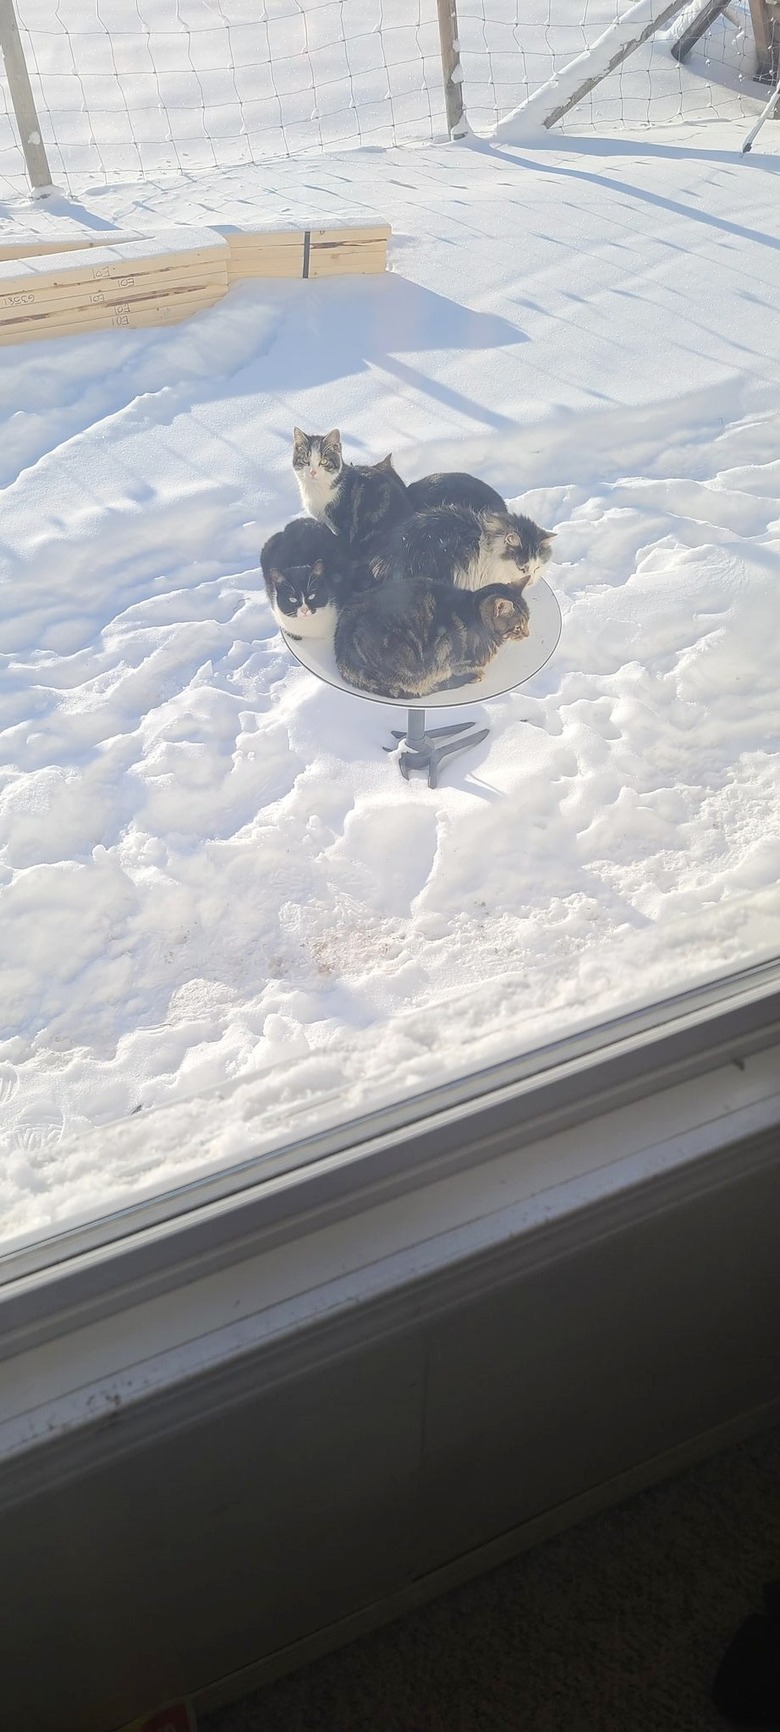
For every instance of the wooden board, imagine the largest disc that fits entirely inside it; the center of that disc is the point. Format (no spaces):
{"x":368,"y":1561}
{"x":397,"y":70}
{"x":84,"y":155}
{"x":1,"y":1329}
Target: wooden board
{"x":267,"y":262}
{"x":129,"y":258}
{"x":236,"y":238}
{"x":117,"y":312}
{"x":286,"y":263}
{"x":52,"y":296}
{"x":347,"y":261}
{"x":15,"y":277}
{"x":122,"y":316}
{"x":33,"y":246}
{"x":284,"y":253}
{"x":245,"y":243}
{"x":350,"y":236}
{"x":766,"y":33}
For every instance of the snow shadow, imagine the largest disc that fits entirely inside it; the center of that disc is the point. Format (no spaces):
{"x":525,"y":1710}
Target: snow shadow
{"x":580,"y":145}
{"x":368,"y":322}
{"x":692,"y":213}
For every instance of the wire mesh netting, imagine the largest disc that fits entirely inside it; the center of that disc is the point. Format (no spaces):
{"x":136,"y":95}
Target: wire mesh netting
{"x":142,"y":87}
{"x":129,"y":89}
{"x":510,"y":47}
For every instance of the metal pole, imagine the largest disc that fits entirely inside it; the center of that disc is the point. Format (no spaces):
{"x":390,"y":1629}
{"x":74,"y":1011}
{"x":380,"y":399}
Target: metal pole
{"x":22,"y":99}
{"x":457,"y":125}
{"x":769,"y":108}
{"x":415,"y":728}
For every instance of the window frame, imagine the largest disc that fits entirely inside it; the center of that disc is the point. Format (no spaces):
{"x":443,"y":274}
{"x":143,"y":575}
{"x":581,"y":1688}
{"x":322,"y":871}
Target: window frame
{"x":88,"y":1272}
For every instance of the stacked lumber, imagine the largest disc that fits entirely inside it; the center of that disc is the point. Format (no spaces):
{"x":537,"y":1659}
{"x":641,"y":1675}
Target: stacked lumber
{"x":62,"y":288}
{"x":346,"y":250}
{"x":130,"y":284}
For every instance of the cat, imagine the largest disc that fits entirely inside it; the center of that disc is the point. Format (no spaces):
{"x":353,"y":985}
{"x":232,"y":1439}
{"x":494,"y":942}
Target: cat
{"x":305,"y":568}
{"x":359,"y":501}
{"x":451,"y":543}
{"x":454,"y":488}
{"x":408,"y":638}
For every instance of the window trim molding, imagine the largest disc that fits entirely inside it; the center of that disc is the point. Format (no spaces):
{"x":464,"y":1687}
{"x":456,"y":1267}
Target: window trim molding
{"x":226,"y":1217}
{"x":158,"y":1369}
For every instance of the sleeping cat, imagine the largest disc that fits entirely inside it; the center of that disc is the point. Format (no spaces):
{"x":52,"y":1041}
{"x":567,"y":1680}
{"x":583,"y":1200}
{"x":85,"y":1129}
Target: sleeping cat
{"x":359,"y":501}
{"x":305,"y":569}
{"x":451,"y":544}
{"x":408,"y":638}
{"x":454,"y":488}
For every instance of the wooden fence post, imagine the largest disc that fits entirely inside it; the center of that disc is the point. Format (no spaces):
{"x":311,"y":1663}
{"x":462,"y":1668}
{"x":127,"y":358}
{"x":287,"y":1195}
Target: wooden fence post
{"x":767,"y":39}
{"x":450,"y":60}
{"x":22,"y":99}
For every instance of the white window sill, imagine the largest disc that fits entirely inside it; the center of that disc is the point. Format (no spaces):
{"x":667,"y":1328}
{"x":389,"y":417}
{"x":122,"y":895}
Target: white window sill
{"x":324,"y":1289}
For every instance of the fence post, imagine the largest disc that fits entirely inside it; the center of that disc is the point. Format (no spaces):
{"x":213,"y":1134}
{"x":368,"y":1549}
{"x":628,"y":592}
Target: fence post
{"x":457,"y":125}
{"x":22,"y":99}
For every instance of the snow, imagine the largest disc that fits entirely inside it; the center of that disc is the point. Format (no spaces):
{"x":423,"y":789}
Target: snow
{"x":211,"y":876}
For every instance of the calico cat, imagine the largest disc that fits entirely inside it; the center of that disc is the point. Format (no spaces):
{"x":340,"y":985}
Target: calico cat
{"x":408,"y":638}
{"x":359,"y":501}
{"x":454,"y":488}
{"x":451,"y":544}
{"x":305,"y":570}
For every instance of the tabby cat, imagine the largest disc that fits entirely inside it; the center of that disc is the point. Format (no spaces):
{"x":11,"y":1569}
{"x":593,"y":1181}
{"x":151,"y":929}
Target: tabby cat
{"x":359,"y":501}
{"x":305,"y":569}
{"x":454,"y":488}
{"x":406,"y":639}
{"x":451,"y":544}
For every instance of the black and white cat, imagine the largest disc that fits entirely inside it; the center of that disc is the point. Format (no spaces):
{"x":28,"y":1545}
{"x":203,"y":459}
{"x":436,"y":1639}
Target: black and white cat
{"x":359,"y":501}
{"x":454,"y":488}
{"x":453,"y":544}
{"x":410,"y":637}
{"x":305,"y":570}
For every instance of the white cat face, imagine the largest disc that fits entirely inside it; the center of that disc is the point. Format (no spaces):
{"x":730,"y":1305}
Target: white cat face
{"x":318,"y":463}
{"x":514,"y":549}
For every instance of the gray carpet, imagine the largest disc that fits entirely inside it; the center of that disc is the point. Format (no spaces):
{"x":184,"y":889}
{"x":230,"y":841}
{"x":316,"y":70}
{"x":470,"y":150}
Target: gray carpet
{"x":615,"y":1626}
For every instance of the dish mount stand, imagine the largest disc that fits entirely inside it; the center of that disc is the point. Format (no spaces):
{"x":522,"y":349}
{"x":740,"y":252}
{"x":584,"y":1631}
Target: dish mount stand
{"x":421,"y":748}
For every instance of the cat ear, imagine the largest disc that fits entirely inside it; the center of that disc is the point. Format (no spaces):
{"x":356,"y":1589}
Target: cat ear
{"x":386,"y":463}
{"x":513,"y":539}
{"x":276,"y":576}
{"x":333,"y":438}
{"x":505,"y":610}
{"x":496,"y":607}
{"x":318,"y":569}
{"x":300,"y":438}
{"x":547,"y":536}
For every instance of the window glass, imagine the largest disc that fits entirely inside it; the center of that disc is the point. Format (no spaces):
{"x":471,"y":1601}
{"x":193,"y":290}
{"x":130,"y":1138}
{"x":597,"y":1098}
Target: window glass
{"x":219,"y":895}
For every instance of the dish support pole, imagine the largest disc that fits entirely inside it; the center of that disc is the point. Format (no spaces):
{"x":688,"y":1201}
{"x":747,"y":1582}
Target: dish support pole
{"x":421,"y":748}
